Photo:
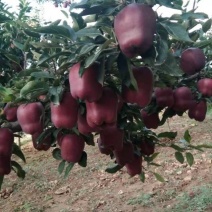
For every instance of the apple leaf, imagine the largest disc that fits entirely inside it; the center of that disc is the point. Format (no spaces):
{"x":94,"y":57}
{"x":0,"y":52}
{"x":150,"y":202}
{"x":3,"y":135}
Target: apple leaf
{"x":113,"y":169}
{"x":4,"y":18}
{"x":170,"y":135}
{"x":18,"y":169}
{"x":177,"y":31}
{"x":177,"y":148}
{"x":56,"y":94}
{"x":17,"y":151}
{"x":142,"y":177}
{"x":207,"y":25}
{"x":162,"y":51}
{"x":42,"y":74}
{"x":33,"y":89}
{"x":83,"y":159}
{"x":179,"y":157}
{"x":18,"y":44}
{"x":61,"y":166}
{"x":1,"y":181}
{"x":56,"y":153}
{"x":189,"y":158}
{"x":187,"y":136}
{"x":159,"y":177}
{"x":125,"y":71}
{"x":68,"y":169}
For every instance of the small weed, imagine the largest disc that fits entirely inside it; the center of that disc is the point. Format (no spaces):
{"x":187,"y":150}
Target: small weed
{"x":143,"y":199}
{"x":197,"y":200}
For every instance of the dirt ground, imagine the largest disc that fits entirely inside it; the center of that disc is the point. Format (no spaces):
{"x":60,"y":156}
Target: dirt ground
{"x":92,"y":189}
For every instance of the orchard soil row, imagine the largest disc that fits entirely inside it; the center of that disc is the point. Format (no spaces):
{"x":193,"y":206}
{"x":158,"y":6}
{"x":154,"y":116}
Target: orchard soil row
{"x":92,"y":189}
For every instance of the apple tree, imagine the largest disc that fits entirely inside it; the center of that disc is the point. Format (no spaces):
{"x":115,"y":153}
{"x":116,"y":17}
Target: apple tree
{"x":117,"y":73}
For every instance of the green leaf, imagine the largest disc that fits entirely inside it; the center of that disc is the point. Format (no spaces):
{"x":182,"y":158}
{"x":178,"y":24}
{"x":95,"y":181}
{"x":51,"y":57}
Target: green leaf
{"x":142,"y":177}
{"x":170,"y":135}
{"x":57,"y":30}
{"x":125,"y":71}
{"x":207,"y":25}
{"x":4,"y":18}
{"x":93,"y":57}
{"x":179,"y":157}
{"x":61,"y":166}
{"x":56,"y":153}
{"x":13,"y":58}
{"x":162,"y":51}
{"x":113,"y":169}
{"x":78,"y":22}
{"x":203,"y":44}
{"x":90,"y":32}
{"x":177,"y":31}
{"x":33,"y":89}
{"x":18,"y":169}
{"x":31,"y":33}
{"x":189,"y":158}
{"x":68,"y":169}
{"x":18,"y":45}
{"x":17,"y":151}
{"x":170,"y":66}
{"x":192,"y":15}
{"x":179,"y":149}
{"x":83,"y":159}
{"x":187,"y":136}
{"x":43,"y":74}
{"x":56,"y":93}
{"x":159,"y":177}
{"x":89,"y":139}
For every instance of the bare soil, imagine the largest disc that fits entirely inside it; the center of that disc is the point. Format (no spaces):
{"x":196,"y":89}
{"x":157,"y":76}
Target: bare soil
{"x":92,"y":189}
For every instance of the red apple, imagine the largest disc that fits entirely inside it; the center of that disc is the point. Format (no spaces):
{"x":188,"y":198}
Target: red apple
{"x":10,"y":112}
{"x":30,"y":117}
{"x":164,"y":97}
{"x":112,"y":137}
{"x":198,"y":111}
{"x":86,"y":87}
{"x":192,"y":60}
{"x":72,"y":147}
{"x":126,"y":155}
{"x":45,"y":144}
{"x":5,"y":165}
{"x":6,"y":142}
{"x":134,"y":28}
{"x":147,"y":147}
{"x":183,"y":99}
{"x":150,"y":120}
{"x":102,"y":148}
{"x":103,"y":111}
{"x":143,"y":95}
{"x":135,"y":166}
{"x":205,"y":86}
{"x":65,"y":114}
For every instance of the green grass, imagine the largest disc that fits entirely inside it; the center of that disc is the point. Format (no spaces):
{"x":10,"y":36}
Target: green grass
{"x":196,"y":201}
{"x":143,"y":199}
{"x":209,"y":109}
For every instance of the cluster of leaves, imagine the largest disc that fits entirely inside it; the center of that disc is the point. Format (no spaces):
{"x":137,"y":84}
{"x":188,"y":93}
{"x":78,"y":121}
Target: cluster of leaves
{"x":34,"y":60}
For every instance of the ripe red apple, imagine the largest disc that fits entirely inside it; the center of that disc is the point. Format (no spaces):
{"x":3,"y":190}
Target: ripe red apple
{"x":150,"y":120}
{"x":103,"y":111}
{"x":112,"y":137}
{"x":45,"y":144}
{"x":10,"y":112}
{"x":102,"y":148}
{"x":164,"y":97}
{"x":30,"y":117}
{"x":134,"y":28}
{"x":72,"y":147}
{"x":205,"y":86}
{"x":65,"y":114}
{"x":192,"y":60}
{"x":198,"y":111}
{"x":143,"y":95}
{"x":86,"y":87}
{"x":135,"y":166}
{"x":65,"y":4}
{"x":83,"y":126}
{"x":5,"y":165}
{"x":147,"y":147}
{"x":126,"y":155}
{"x":182,"y":99}
{"x":6,"y":142}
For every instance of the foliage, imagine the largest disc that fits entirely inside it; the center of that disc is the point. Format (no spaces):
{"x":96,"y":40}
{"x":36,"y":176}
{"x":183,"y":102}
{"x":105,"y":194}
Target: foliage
{"x":35,"y":61}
